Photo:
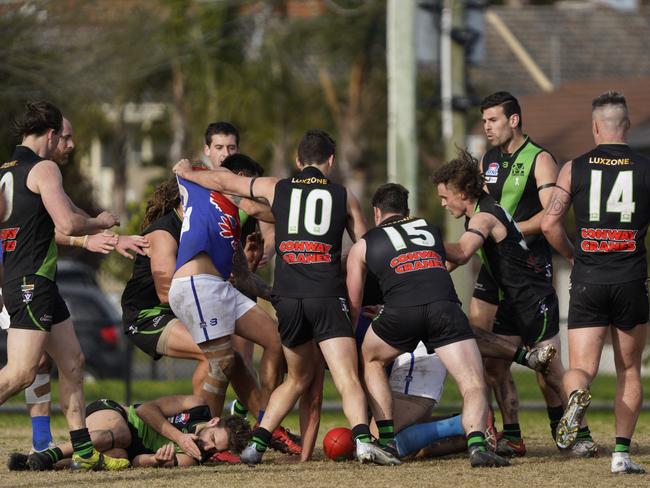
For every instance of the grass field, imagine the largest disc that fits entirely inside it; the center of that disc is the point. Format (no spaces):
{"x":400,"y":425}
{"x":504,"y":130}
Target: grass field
{"x":543,"y":466}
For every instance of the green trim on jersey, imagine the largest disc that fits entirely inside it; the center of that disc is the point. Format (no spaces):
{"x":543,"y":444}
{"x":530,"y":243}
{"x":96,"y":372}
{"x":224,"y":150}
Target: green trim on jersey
{"x":150,"y":439}
{"x":481,"y":254}
{"x":243,"y":217}
{"x":154,"y":311}
{"x":48,"y":267}
{"x":515,"y":183}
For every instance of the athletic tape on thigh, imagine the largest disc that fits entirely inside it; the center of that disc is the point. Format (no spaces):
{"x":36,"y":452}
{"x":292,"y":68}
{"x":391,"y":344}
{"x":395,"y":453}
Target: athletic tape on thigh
{"x":40,"y":390}
{"x":220,"y":359}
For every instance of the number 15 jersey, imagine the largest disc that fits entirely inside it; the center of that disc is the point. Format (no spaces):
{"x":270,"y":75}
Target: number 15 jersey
{"x":610,"y":187}
{"x":310,"y":217}
{"x":407,"y":257}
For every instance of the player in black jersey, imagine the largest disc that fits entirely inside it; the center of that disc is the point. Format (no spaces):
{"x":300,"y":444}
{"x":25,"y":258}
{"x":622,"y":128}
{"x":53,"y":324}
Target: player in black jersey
{"x":40,"y":321}
{"x":520,"y":175}
{"x":37,"y":395}
{"x":529,"y":300}
{"x":609,"y":188}
{"x":166,"y":432}
{"x":311,"y":214}
{"x":407,"y":256}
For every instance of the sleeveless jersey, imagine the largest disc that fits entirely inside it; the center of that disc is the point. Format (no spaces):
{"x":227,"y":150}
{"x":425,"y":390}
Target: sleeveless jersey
{"x":610,"y":187}
{"x":310,"y":217}
{"x":512,"y":265}
{"x":510,"y":179}
{"x":139,"y":299}
{"x":407,"y":256}
{"x":185,"y":421}
{"x":210,"y":225}
{"x":27,"y":230}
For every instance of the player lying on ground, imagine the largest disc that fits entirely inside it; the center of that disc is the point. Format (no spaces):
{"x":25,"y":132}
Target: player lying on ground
{"x":167,"y":432}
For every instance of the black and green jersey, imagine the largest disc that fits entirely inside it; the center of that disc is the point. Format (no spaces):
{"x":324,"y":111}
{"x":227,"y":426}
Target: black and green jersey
{"x":510,"y":262}
{"x":139,"y":299}
{"x":610,"y":187}
{"x":147,"y":440}
{"x":510,"y":179}
{"x":26,"y":230}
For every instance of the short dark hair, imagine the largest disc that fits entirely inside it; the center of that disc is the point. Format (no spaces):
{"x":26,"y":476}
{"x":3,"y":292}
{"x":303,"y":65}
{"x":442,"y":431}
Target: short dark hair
{"x":240,"y":162}
{"x":225,"y":128}
{"x":609,"y":98}
{"x":315,"y":147}
{"x":239,"y":432}
{"x":37,"y":119}
{"x":505,"y":100}
{"x":391,"y":197}
{"x":463,"y":173}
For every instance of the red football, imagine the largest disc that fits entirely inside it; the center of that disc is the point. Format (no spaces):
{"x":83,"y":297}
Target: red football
{"x":338,"y":444}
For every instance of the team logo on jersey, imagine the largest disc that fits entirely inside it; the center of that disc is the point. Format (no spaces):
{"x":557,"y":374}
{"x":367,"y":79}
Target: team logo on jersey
{"x":228,"y":223}
{"x":493,"y":169}
{"x":181,"y":419}
{"x":28,"y":292}
{"x":518,"y":169}
{"x":344,"y":305}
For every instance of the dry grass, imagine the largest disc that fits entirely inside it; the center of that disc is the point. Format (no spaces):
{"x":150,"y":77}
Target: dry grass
{"x":543,"y":466}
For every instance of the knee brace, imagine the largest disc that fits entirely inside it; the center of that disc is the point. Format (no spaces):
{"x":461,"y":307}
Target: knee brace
{"x":40,"y":390}
{"x":220,"y":358}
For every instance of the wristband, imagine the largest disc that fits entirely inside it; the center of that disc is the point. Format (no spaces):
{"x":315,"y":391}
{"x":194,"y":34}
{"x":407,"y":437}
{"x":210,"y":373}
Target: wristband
{"x":79,"y":241}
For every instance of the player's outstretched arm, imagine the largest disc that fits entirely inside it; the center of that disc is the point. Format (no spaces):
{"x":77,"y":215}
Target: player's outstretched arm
{"x":356,"y":224}
{"x":553,"y":220}
{"x":480,"y":227}
{"x":154,"y":413}
{"x":45,"y":179}
{"x":101,"y":243}
{"x":223,"y":180}
{"x":545,"y":179}
{"x":356,"y":278}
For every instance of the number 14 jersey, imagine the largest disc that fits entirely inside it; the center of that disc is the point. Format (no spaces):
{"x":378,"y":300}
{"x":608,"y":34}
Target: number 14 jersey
{"x":310,"y":217}
{"x":610,"y":187}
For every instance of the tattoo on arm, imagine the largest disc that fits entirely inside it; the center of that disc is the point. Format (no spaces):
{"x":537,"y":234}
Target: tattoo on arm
{"x":559,"y":204}
{"x":247,"y":281}
{"x":237,"y":199}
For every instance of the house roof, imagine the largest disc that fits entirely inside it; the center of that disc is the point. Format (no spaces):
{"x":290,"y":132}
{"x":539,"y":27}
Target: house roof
{"x":561,"y":120}
{"x":568,"y":43}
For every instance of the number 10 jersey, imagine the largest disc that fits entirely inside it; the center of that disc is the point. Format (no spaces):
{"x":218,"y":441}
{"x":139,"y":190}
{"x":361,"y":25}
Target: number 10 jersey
{"x":610,"y":187}
{"x":310,"y":217}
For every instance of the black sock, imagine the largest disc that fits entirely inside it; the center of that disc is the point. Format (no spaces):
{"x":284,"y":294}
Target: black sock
{"x":261,"y":438}
{"x":81,"y":443}
{"x":622,"y":444}
{"x":520,"y":356}
{"x":476,"y":438}
{"x":512,"y":432}
{"x":386,"y":431}
{"x":554,"y":415}
{"x":361,"y":433}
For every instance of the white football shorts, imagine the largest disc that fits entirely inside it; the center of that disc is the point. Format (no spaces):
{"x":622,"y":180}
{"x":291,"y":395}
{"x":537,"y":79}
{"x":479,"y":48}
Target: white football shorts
{"x":419,"y":374}
{"x":207,"y":305}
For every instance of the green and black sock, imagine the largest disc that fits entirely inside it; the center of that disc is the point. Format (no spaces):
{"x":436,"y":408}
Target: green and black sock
{"x":554,"y":415}
{"x":81,"y":443}
{"x":476,"y":439}
{"x":361,"y":433}
{"x":584,"y":434}
{"x":55,"y":454}
{"x":520,"y":356}
{"x":239,"y":408}
{"x":622,"y":444}
{"x":260,"y":439}
{"x":386,"y":431}
{"x":512,"y":432}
